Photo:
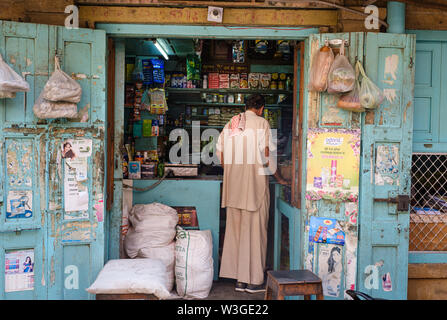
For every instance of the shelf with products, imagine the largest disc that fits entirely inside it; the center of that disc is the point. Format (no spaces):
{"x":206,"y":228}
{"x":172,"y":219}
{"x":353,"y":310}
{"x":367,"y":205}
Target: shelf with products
{"x":223,"y":104}
{"x":228,"y":90}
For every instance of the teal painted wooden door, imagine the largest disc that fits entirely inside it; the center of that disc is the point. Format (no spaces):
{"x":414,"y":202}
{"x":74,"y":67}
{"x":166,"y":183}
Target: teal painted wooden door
{"x":321,"y":116}
{"x":385,"y":169}
{"x":66,"y":247}
{"x":374,"y":256}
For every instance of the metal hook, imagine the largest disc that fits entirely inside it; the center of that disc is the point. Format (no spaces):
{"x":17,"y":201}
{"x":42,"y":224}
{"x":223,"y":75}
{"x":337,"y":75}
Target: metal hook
{"x":336,"y":42}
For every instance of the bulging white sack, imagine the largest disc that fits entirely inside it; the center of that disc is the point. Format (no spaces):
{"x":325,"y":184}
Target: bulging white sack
{"x":151,"y":234}
{"x":122,"y":276}
{"x":194,"y":269}
{"x":166,"y":255}
{"x":10,"y":81}
{"x":45,"y":109}
{"x":61,"y":87}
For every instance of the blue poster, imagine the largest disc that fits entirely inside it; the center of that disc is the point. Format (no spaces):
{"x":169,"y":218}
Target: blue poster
{"x":19,"y":204}
{"x":326,"y":230}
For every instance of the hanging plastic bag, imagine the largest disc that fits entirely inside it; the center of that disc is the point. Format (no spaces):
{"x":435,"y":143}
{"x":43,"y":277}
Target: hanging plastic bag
{"x":45,"y":109}
{"x":321,"y":63}
{"x":351,"y":100}
{"x":61,"y":87}
{"x":341,"y":76}
{"x":10,"y":81}
{"x":370,"y":94}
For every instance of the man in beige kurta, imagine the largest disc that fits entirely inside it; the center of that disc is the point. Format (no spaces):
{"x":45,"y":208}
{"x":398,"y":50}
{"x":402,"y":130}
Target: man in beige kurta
{"x":245,"y":193}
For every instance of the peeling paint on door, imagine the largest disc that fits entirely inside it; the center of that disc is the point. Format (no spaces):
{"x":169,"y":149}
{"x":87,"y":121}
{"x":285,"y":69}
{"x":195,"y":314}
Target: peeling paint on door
{"x":391,"y":65}
{"x":387,"y":165}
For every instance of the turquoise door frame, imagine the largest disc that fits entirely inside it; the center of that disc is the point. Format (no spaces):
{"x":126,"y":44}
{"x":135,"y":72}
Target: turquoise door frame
{"x":121,"y":31}
{"x":430,"y":79}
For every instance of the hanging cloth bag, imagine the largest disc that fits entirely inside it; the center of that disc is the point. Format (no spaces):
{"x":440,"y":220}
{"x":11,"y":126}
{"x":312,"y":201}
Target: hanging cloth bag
{"x":10,"y":81}
{"x":59,"y":97}
{"x":370,"y":94}
{"x":341,"y":76}
{"x":61,"y":87}
{"x":321,"y":63}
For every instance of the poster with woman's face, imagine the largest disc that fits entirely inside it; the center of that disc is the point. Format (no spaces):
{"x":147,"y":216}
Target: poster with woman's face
{"x":330,"y":269}
{"x":19,"y":270}
{"x":76,"y":148}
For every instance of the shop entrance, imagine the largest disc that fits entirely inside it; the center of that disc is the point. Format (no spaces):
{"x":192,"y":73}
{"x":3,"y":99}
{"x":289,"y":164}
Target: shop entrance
{"x":197,"y":86}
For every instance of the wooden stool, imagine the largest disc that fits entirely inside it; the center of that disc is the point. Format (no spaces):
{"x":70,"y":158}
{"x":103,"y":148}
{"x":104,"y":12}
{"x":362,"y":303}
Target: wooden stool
{"x":293,"y":283}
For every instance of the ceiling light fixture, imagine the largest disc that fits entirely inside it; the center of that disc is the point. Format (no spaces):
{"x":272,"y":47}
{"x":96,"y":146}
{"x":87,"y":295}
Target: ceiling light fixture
{"x":161,"y":49}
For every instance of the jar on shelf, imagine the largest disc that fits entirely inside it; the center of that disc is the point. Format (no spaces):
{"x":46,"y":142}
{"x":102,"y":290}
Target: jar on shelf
{"x":239,"y":98}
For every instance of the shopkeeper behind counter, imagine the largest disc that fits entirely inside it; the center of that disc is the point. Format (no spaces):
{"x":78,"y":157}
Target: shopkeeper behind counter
{"x":244,"y":149}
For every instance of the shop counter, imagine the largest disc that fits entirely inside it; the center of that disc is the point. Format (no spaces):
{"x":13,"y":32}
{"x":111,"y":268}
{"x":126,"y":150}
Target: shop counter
{"x":202,"y":192}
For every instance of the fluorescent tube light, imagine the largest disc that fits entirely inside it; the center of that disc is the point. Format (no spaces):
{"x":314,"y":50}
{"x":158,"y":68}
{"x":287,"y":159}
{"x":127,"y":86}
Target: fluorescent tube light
{"x":162,"y":51}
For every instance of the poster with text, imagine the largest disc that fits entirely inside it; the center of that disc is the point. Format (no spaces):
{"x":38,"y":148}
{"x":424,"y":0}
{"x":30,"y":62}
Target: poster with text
{"x":333,"y":162}
{"x":19,"y":270}
{"x":76,"y":185}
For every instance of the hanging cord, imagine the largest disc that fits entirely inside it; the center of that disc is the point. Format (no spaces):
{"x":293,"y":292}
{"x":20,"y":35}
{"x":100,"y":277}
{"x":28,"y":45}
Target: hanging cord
{"x":57,"y":65}
{"x":152,"y":186}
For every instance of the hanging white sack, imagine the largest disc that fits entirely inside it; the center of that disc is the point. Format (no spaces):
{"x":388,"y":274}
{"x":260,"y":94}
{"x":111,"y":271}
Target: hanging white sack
{"x":10,"y":81}
{"x":45,"y":109}
{"x":194,"y":269}
{"x":61,"y":87}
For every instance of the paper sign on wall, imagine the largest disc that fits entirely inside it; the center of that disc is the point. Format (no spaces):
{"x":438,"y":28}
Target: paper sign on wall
{"x":75,"y":185}
{"x":19,"y":204}
{"x":19,"y":270}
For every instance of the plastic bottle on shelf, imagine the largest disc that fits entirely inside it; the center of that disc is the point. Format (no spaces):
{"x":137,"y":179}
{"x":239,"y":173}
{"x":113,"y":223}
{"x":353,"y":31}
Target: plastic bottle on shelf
{"x":205,"y":82}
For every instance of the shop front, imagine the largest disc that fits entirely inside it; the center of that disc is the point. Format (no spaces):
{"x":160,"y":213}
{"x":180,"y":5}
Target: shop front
{"x":345,"y":215}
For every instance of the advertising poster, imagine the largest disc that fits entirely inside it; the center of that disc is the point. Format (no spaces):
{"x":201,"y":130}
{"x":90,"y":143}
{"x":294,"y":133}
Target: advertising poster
{"x":76,"y":153}
{"x":325,"y":230}
{"x":19,"y":204}
{"x":333,"y":162}
{"x":76,"y":148}
{"x":19,"y":270}
{"x":330,"y":269}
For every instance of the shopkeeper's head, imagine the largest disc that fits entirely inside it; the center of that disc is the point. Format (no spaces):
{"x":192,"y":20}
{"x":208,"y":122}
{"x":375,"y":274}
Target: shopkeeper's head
{"x":255,"y":103}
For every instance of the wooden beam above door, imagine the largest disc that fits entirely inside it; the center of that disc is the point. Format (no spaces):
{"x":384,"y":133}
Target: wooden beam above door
{"x":90,"y":15}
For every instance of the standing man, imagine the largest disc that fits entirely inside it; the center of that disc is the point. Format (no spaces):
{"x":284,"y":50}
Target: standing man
{"x":244,"y":150}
